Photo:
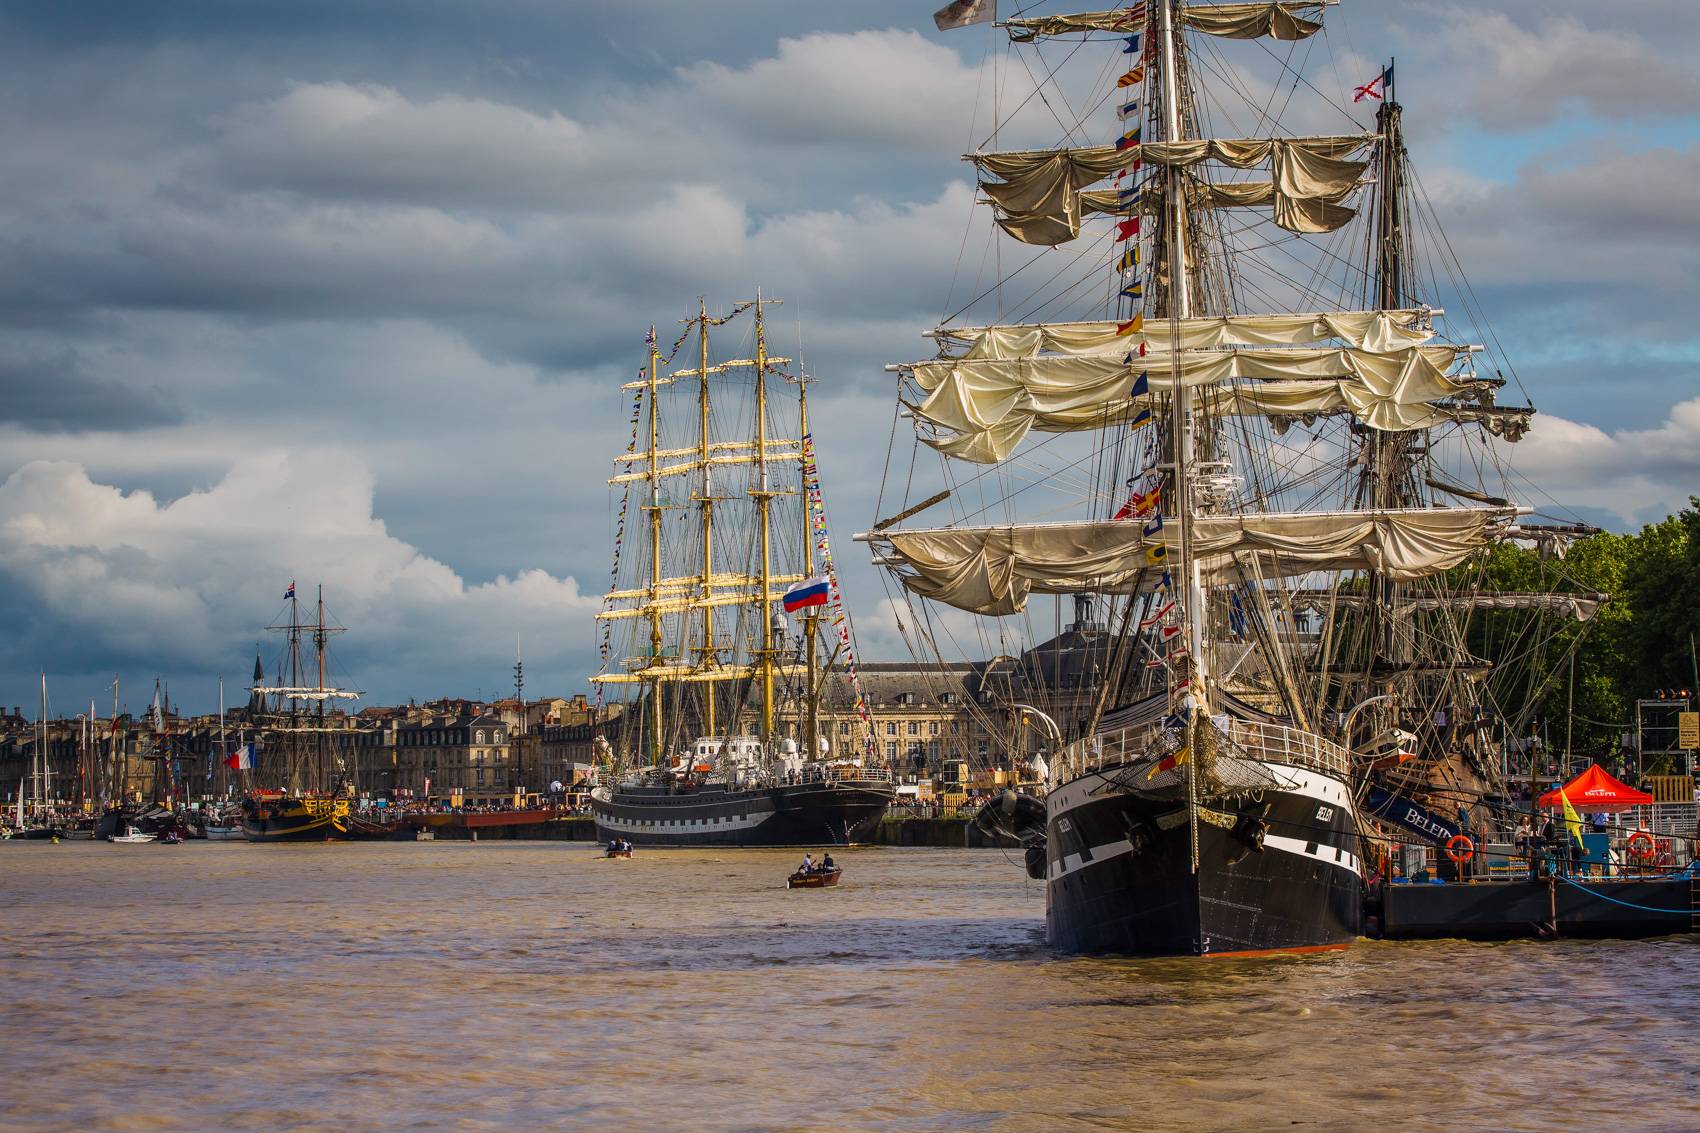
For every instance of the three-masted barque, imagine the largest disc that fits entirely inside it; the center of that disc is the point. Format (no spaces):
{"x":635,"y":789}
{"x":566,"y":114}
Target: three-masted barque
{"x":299,"y":789}
{"x":1265,"y":506}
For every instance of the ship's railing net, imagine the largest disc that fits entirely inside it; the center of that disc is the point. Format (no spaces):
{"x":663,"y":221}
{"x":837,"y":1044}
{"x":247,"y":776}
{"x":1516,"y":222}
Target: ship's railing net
{"x":849,"y":774}
{"x":1231,"y":755}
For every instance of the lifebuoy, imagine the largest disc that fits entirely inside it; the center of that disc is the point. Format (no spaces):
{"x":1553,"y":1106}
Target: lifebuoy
{"x":1641,"y":846}
{"x":1460,"y":856}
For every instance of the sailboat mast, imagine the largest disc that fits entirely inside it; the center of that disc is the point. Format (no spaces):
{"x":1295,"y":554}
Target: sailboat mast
{"x":118,"y":761}
{"x":654,"y":551}
{"x":811,"y":621}
{"x":319,"y":657}
{"x":1389,"y":457}
{"x":1180,"y":307}
{"x":706,"y":504}
{"x":223,"y":743}
{"x":40,"y":761}
{"x":764,"y":502}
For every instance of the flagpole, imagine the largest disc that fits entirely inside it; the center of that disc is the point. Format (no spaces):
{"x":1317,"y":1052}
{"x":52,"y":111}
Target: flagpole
{"x":223,"y":740}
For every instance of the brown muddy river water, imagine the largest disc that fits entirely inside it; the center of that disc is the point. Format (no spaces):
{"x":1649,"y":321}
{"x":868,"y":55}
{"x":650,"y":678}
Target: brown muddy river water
{"x":531,"y":986}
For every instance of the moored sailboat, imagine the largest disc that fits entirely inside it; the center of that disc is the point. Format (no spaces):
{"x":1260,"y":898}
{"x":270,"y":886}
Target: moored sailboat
{"x":309,"y":801}
{"x":699,"y":763}
{"x":1228,"y":467}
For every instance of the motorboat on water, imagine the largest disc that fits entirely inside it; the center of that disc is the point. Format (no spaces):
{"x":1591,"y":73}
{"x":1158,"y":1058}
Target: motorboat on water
{"x":814,"y":878}
{"x":132,"y":835}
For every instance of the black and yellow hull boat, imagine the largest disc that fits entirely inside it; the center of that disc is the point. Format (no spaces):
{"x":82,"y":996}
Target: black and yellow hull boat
{"x":309,"y":819}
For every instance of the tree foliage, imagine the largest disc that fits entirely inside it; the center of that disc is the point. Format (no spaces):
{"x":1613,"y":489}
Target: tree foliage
{"x":1640,"y":641}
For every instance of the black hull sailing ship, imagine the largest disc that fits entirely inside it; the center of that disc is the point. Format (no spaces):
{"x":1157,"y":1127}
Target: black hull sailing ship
{"x":305,"y":793}
{"x":1268,"y":508}
{"x":1277,"y":872}
{"x":838,"y":812}
{"x":692,"y":621}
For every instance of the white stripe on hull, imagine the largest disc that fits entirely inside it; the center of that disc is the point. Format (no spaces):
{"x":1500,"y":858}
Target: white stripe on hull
{"x":1091,"y":788}
{"x":1316,"y":851}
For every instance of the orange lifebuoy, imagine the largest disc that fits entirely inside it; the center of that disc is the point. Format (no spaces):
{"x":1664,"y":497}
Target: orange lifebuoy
{"x":1457,"y":855}
{"x":1641,"y":846}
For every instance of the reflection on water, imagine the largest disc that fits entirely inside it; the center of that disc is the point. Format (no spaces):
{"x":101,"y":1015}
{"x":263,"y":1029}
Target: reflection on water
{"x":516,"y":986}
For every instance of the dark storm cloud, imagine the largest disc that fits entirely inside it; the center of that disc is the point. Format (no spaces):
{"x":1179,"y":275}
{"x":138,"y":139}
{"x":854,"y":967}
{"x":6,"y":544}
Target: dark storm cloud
{"x":58,"y":394}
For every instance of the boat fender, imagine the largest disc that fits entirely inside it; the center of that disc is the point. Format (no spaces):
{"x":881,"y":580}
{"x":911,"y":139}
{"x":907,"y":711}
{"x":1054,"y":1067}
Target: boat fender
{"x":1460,"y":849}
{"x":1642,"y":847}
{"x":1036,"y":863}
{"x":1252,"y":832}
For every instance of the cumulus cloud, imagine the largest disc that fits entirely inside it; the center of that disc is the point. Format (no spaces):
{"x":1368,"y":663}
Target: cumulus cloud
{"x":184,"y":585}
{"x":1640,"y":475}
{"x":426,"y":268}
{"x":1537,"y":72}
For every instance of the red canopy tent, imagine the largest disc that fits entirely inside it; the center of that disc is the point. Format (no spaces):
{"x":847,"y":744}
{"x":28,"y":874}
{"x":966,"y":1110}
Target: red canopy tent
{"x":1595,"y":790}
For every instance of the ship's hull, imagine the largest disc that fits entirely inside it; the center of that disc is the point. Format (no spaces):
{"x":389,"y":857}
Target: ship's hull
{"x":295,"y":821}
{"x":799,"y":814}
{"x":1120,"y":876}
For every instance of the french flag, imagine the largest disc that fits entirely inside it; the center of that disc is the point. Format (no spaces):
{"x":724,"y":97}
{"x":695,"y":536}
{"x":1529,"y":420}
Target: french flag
{"x":809,"y":593}
{"x":242,"y":759}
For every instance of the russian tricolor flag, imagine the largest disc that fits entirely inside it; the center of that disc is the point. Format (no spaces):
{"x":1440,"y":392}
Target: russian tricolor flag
{"x":809,"y":593}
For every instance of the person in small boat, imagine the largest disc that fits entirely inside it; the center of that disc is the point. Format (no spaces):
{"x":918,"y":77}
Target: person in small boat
{"x":808,"y":865}
{"x":826,"y":863}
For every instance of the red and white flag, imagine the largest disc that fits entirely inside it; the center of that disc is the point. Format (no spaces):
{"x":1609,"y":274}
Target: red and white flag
{"x":1376,"y":88}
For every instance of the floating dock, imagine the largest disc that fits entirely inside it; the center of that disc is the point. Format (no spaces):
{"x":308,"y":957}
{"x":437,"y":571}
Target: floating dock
{"x":1559,"y":906}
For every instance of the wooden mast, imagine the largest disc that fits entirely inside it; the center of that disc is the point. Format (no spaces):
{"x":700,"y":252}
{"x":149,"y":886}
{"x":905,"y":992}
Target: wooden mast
{"x":764,"y":504}
{"x":706,"y":504}
{"x":811,"y":620}
{"x":1180,"y":307}
{"x":654,"y":509}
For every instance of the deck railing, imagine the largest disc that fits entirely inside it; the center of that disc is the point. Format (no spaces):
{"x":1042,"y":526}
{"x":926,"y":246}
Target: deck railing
{"x":1274,"y":743}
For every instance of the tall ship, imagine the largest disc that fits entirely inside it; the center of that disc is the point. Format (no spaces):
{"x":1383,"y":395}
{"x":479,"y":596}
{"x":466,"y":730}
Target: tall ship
{"x":724,"y":612}
{"x":1213,"y":404}
{"x":295,"y":771}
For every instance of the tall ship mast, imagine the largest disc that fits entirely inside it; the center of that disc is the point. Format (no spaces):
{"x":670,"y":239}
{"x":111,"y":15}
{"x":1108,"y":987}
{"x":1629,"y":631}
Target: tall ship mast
{"x":1213,"y":407}
{"x":300,"y":788}
{"x":722,"y":532}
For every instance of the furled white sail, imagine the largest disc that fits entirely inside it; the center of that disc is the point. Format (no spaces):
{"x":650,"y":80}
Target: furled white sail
{"x":1582,"y":607}
{"x":987,"y":405}
{"x":1038,"y":191}
{"x":1285,"y":20}
{"x":992,"y":570}
{"x":1368,"y":330}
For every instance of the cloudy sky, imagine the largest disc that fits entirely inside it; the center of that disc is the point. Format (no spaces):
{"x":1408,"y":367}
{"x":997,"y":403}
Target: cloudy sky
{"x":342,"y":292}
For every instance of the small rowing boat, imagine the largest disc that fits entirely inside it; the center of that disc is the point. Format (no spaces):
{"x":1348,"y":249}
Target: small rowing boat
{"x":814,"y":878}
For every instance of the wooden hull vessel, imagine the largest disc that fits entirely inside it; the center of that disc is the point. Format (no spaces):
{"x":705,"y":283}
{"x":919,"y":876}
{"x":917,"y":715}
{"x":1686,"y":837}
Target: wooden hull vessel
{"x":295,"y":820}
{"x":814,"y":880}
{"x":367,"y":830}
